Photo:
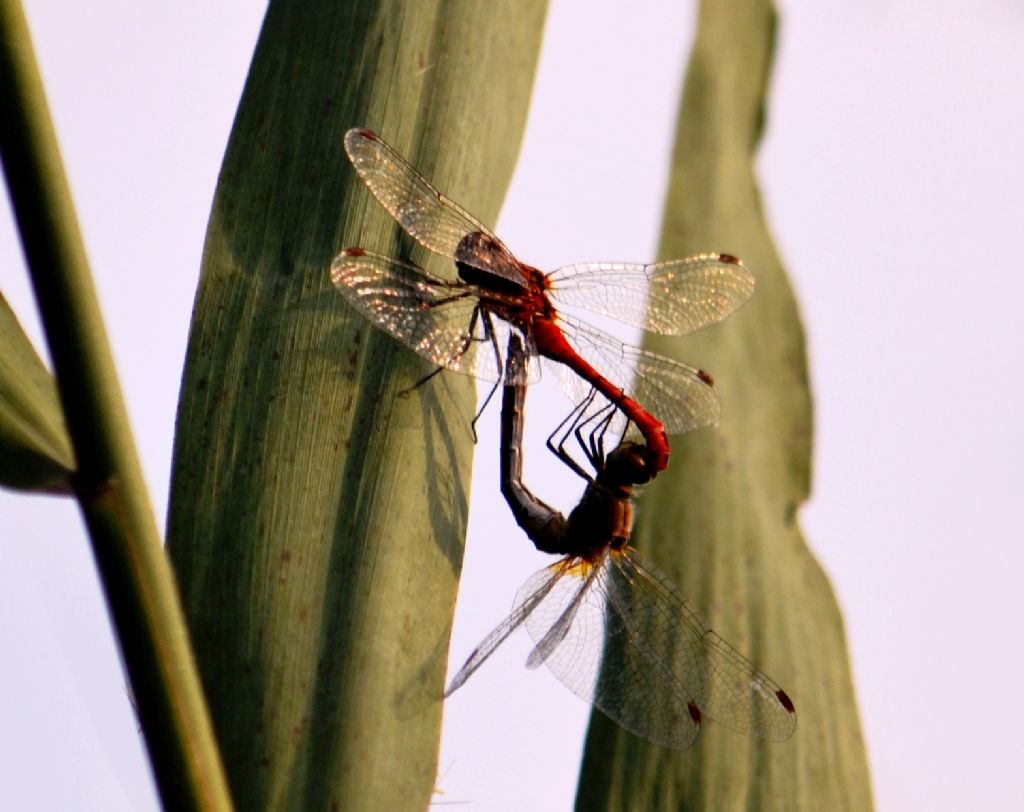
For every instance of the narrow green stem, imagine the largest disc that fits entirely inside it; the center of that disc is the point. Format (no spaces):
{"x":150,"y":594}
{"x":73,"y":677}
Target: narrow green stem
{"x":137,"y":579}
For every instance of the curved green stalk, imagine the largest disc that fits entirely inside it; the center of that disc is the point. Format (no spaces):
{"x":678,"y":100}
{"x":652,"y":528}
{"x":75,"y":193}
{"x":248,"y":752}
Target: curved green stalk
{"x":722,"y":520}
{"x":318,"y":509}
{"x":108,"y":482}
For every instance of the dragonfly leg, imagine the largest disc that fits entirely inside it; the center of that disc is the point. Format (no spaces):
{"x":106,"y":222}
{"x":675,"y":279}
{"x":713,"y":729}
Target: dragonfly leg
{"x":593,"y":446}
{"x":480,"y":411}
{"x":490,"y":335}
{"x":462,"y":350}
{"x":570,"y":422}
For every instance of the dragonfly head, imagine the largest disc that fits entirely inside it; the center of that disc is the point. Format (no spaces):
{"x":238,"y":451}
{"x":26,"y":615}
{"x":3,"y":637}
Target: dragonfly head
{"x":627,"y":466}
{"x":482,"y":260}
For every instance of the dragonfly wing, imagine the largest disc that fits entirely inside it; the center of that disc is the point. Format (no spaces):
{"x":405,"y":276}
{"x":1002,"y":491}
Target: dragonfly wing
{"x":567,"y":627}
{"x":563,"y":607}
{"x":430,"y":218}
{"x":672,"y":298}
{"x":532,"y":594}
{"x":598,"y":654}
{"x":682,"y":397}
{"x":491,"y":362}
{"x":698,"y":666}
{"x":439,"y":320}
{"x":649,"y":680}
{"x":743,"y":698}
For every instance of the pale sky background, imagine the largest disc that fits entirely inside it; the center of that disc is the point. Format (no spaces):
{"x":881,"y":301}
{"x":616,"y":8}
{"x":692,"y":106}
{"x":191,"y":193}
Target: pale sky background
{"x":892,"y":176}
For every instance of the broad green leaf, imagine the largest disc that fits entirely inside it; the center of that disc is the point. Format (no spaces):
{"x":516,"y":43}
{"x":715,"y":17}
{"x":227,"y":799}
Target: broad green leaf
{"x":722,"y":521}
{"x":35,"y":452}
{"x":318,"y":509}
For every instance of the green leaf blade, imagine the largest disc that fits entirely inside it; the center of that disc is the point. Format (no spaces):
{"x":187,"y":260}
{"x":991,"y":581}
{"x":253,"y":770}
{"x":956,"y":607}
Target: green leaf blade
{"x":318,"y":513}
{"x":722,"y":520}
{"x":35,"y":450}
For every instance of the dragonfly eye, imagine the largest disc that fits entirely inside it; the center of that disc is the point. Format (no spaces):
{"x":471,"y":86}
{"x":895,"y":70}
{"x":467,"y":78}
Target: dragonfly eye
{"x":481,"y":251}
{"x":482,"y":260}
{"x":627,"y":464}
{"x":479,"y":247}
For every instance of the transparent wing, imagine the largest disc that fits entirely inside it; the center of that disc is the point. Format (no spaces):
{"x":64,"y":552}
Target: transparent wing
{"x":439,"y":320}
{"x":491,"y":362}
{"x":430,"y":218}
{"x":657,"y":623}
{"x":619,"y":635}
{"x":673,"y":298}
{"x":603,"y":662}
{"x":567,"y":602}
{"x":682,"y":397}
{"x":532,"y":593}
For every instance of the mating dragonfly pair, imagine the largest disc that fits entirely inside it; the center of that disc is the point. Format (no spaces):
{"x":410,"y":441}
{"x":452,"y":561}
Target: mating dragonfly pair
{"x":609,"y":625}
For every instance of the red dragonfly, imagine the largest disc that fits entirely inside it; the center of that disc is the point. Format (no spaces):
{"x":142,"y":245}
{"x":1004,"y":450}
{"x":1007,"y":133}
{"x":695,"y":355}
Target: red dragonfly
{"x":608,"y":624}
{"x":488,"y":294}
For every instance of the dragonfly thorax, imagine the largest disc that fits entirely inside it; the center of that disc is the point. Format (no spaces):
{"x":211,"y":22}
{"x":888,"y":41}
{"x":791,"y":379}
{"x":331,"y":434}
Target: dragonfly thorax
{"x":601,"y":520}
